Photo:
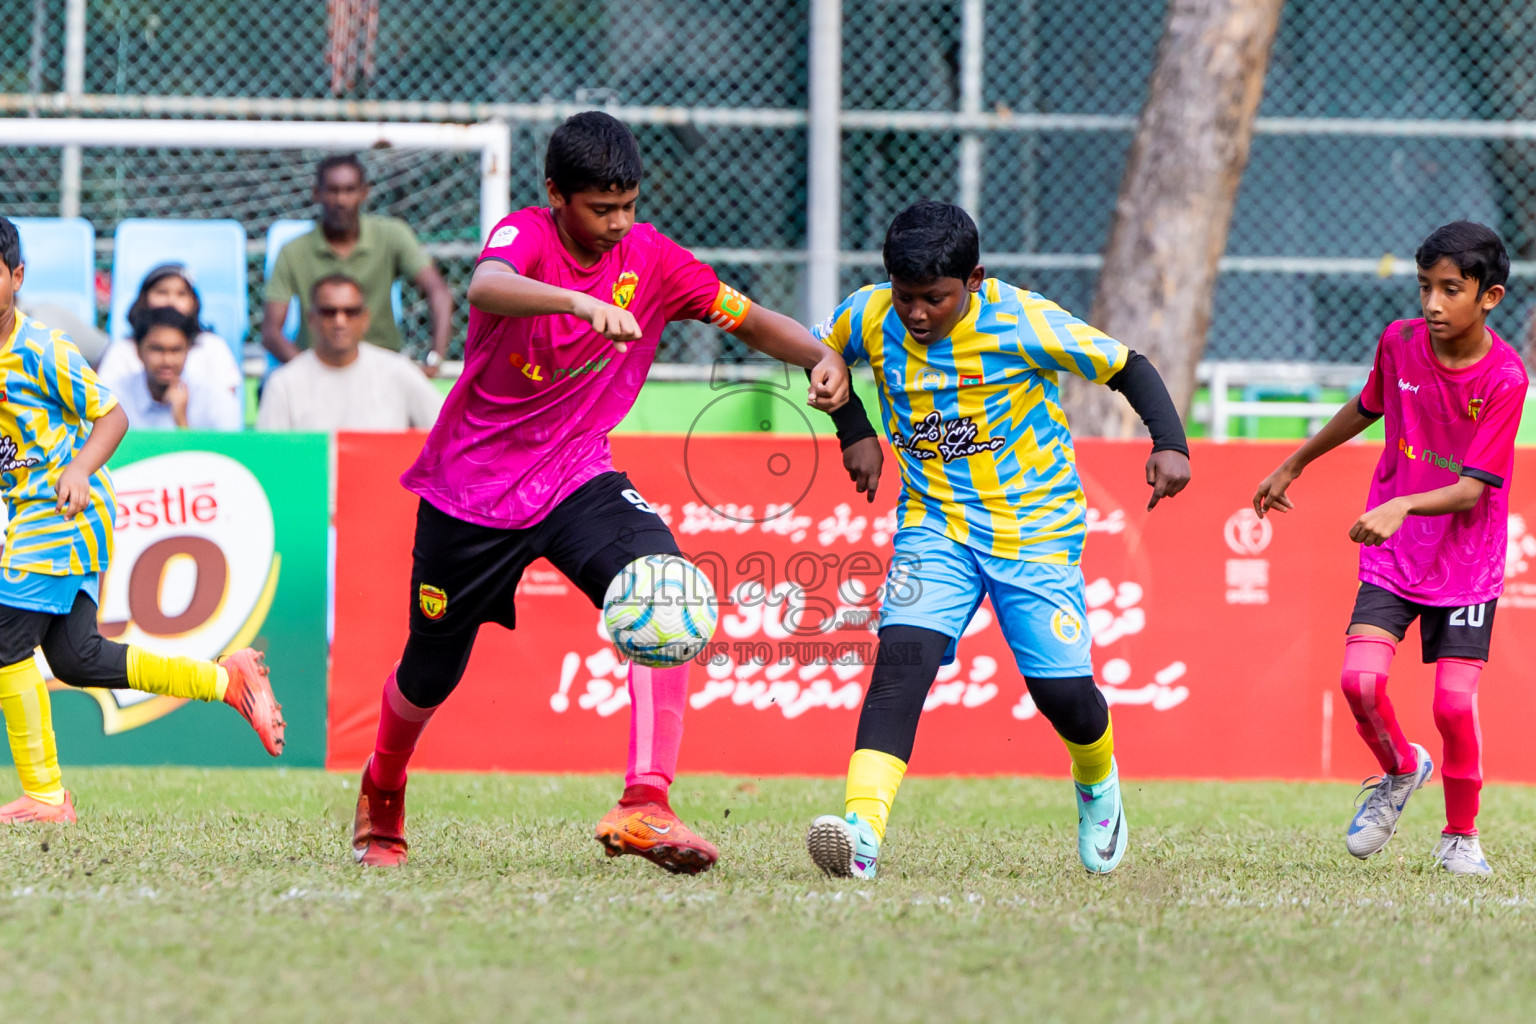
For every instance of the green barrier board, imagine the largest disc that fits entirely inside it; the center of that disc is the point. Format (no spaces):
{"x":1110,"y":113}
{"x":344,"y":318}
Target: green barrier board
{"x":220,"y":543}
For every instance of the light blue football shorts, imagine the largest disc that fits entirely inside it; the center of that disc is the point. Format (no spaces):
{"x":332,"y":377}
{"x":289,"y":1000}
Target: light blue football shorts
{"x":39,"y":592}
{"x":938,"y":583}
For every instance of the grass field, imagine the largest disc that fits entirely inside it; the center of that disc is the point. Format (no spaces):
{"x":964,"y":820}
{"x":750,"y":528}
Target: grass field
{"x":203,"y":896}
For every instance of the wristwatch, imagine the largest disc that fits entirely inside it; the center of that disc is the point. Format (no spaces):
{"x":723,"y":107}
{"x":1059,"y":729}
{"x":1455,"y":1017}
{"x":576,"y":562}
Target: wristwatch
{"x":434,"y":359}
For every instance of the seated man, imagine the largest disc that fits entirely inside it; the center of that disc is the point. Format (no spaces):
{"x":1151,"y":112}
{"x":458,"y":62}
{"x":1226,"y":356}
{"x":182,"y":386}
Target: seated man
{"x":168,"y":391}
{"x":375,"y":251}
{"x":340,"y":383}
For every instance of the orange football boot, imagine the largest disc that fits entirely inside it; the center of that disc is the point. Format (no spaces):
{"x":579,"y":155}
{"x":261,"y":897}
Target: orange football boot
{"x":24,"y":810}
{"x":378,"y":828}
{"x":250,"y":693}
{"x":652,"y":831}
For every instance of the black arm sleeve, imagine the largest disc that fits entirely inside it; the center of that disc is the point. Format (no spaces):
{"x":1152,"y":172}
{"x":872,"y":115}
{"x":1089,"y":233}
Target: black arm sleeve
{"x":851,"y":421}
{"x":1142,"y":386}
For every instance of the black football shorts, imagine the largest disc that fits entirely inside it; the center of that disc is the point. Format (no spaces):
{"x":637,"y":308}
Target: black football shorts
{"x":464,"y":574}
{"x":1445,"y":632}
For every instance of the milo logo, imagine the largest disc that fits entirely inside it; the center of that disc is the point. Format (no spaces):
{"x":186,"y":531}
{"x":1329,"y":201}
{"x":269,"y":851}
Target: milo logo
{"x":194,"y":568}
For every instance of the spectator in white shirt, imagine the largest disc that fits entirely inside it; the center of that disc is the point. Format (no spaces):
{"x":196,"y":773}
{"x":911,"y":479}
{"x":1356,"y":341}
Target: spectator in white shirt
{"x":340,"y":383}
{"x":210,"y":360}
{"x":163,"y":395}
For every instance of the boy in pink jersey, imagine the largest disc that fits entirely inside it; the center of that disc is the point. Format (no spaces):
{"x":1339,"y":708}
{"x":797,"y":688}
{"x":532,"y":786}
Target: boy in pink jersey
{"x":1433,"y":540}
{"x":567,"y":304}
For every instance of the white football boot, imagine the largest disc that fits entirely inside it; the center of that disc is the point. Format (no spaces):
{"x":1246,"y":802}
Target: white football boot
{"x":1375,"y":822}
{"x":1461,"y":855}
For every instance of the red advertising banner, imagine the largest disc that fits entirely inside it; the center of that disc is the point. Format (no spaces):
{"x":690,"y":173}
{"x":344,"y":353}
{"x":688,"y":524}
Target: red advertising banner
{"x":1217,"y":636}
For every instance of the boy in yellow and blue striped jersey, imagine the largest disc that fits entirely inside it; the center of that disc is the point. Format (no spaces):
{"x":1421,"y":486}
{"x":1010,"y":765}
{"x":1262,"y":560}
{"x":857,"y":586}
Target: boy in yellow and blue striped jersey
{"x":967,"y":370}
{"x":58,"y":428}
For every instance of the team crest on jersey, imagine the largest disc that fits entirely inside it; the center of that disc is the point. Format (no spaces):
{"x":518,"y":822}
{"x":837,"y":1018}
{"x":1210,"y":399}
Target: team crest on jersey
{"x":433,"y":601}
{"x":1474,"y":407}
{"x":1066,"y":627}
{"x":624,"y":289}
{"x":932,"y":380}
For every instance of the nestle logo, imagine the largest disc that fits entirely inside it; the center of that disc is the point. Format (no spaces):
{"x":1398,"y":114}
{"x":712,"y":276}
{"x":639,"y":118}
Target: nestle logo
{"x":1404,"y":385}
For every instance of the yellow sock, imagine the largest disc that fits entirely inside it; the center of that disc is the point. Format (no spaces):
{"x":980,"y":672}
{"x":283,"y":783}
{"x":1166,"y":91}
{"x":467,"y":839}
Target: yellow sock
{"x":176,"y":677}
{"x":1091,"y":762}
{"x":29,"y":727}
{"x":873,"y":778}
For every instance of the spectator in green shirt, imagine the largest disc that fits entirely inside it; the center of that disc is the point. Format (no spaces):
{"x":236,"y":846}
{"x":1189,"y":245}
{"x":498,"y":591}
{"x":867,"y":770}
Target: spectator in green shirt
{"x":374,"y":251}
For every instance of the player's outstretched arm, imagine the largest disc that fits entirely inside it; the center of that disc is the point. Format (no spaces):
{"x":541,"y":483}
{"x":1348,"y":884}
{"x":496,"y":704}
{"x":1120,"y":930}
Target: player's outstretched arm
{"x":774,"y":334}
{"x":1381,"y":522}
{"x":498,"y":289}
{"x":74,"y":487}
{"x":862,"y":456}
{"x":1346,"y":424}
{"x":1143,"y":387}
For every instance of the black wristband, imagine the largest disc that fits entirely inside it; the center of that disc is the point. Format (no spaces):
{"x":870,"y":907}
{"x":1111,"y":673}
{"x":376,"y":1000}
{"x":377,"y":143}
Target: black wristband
{"x":850,"y":421}
{"x":1142,"y":386}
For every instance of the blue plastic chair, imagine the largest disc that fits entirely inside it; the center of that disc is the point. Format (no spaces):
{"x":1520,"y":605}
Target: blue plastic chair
{"x":280,"y":234}
{"x":214,"y":252}
{"x":60,"y":254}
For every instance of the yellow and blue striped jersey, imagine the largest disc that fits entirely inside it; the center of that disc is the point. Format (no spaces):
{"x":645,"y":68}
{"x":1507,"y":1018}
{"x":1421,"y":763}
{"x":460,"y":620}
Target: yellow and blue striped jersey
{"x":49,"y":397}
{"x":983,"y":445}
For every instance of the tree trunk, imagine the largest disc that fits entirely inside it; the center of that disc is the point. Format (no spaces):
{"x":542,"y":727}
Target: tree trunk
{"x":1175,"y":204}
{"x":1504,"y":85}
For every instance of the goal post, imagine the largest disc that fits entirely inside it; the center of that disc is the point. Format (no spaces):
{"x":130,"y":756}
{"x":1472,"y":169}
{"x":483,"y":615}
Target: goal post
{"x":492,"y":139}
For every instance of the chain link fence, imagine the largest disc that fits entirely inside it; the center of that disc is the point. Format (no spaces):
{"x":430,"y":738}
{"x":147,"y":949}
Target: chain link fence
{"x":1381,"y":120}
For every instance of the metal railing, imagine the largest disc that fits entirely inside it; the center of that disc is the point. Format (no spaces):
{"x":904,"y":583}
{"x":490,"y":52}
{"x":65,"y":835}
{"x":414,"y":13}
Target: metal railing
{"x":780,"y":135}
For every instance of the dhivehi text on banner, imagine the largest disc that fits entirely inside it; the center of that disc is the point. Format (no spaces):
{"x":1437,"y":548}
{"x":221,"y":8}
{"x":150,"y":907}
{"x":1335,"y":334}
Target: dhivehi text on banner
{"x":1217,"y":636}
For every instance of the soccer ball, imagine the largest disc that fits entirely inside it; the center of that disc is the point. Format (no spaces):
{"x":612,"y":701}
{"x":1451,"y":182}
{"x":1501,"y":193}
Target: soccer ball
{"x":660,"y":611}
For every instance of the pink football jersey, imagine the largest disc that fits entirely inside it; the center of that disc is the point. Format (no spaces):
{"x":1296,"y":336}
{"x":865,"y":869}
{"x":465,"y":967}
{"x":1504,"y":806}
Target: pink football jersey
{"x":527,"y":423}
{"x":1441,"y":425}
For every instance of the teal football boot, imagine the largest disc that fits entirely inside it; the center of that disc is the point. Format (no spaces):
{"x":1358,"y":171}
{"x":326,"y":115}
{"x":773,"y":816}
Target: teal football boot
{"x":843,"y":847}
{"x":1101,"y":831}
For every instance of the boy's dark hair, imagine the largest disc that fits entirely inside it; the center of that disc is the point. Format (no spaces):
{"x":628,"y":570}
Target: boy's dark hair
{"x":337,"y":278}
{"x":340,"y":160}
{"x":154,"y":277}
{"x":592,"y":152}
{"x":929,"y":240}
{"x":145,"y":320}
{"x":1474,"y":248}
{"x":10,"y":245}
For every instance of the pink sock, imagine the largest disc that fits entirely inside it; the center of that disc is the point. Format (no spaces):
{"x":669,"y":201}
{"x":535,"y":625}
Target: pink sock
{"x":1456,"y":718}
{"x":400,"y":725}
{"x":655,"y":724}
{"x":1367,"y":660}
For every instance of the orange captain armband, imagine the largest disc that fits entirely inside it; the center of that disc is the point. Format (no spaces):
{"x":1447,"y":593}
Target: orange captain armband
{"x":729,"y":310}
